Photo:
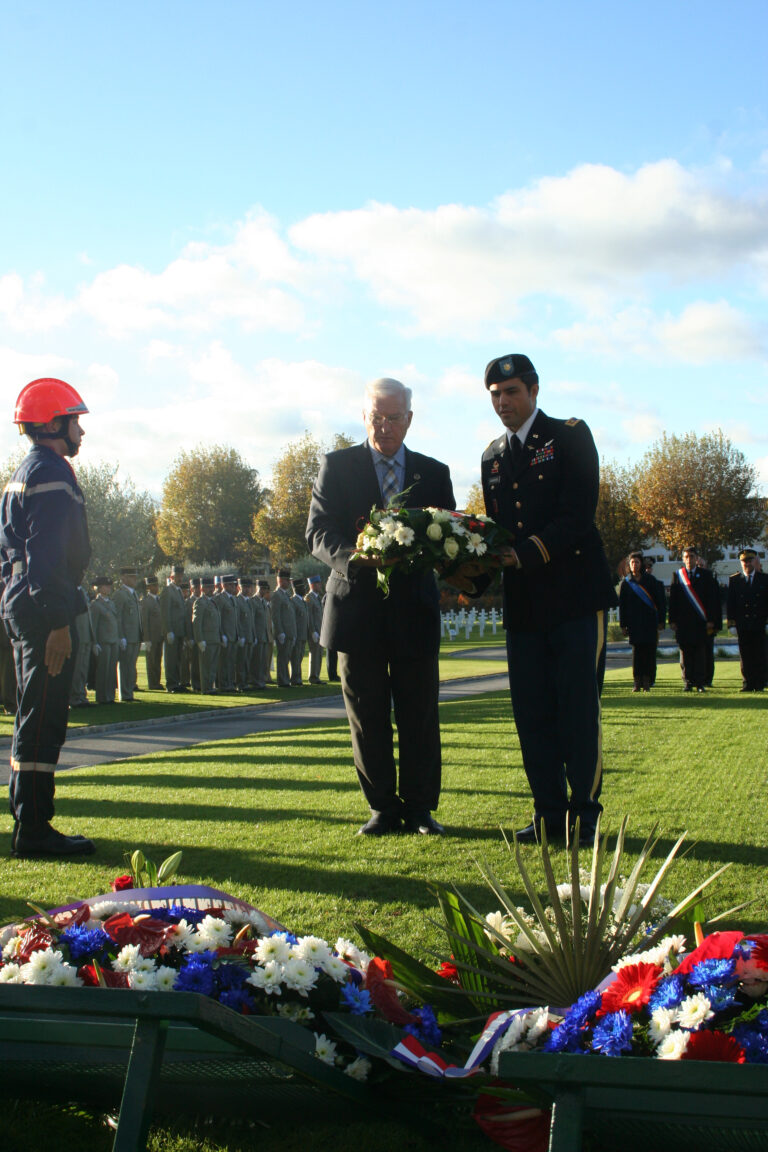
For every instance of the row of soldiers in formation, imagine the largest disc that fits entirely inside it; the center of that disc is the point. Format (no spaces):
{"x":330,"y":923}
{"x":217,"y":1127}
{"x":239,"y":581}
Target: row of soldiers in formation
{"x":211,"y":635}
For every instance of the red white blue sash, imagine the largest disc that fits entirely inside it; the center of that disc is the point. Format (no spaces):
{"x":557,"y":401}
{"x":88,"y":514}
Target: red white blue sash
{"x":411,"y":1052}
{"x":685,"y":580}
{"x":642,"y":593}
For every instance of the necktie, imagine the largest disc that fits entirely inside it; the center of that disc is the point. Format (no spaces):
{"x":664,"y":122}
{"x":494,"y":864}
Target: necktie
{"x":389,"y":483}
{"x":517,"y":450}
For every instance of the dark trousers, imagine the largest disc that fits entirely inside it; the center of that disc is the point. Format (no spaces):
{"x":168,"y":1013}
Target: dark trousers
{"x":752,"y":653}
{"x":40,"y":727}
{"x":331,"y":662}
{"x":555,"y":680}
{"x":693,"y":663}
{"x":372,"y":683}
{"x":644,"y":665}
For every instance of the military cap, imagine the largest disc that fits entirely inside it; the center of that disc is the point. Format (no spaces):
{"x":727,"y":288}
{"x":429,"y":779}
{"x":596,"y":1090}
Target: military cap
{"x":264,"y":584}
{"x":130,"y":570}
{"x":284,"y":572}
{"x":100,"y":580}
{"x":747,"y":554}
{"x":246,"y":581}
{"x":298,"y":584}
{"x":230,"y":578}
{"x":507,"y":367}
{"x":206,"y":582}
{"x":315,"y":580}
{"x":177,"y":569}
{"x":150,"y":578}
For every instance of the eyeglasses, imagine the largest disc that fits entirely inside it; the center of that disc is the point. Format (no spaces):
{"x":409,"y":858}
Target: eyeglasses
{"x":377,"y":420}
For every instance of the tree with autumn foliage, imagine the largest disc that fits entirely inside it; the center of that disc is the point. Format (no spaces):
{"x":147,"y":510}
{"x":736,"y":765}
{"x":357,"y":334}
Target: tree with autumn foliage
{"x":280,"y":526}
{"x":617,"y":520}
{"x":475,"y":501}
{"x":698,"y":490}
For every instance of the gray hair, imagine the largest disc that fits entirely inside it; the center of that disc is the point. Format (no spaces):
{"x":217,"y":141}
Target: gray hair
{"x":386,"y":386}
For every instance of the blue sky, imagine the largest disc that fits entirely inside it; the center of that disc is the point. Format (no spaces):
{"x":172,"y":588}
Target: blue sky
{"x":220,"y":221}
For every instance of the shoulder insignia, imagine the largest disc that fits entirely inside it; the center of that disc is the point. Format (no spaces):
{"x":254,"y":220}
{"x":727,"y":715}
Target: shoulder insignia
{"x":572,"y":422}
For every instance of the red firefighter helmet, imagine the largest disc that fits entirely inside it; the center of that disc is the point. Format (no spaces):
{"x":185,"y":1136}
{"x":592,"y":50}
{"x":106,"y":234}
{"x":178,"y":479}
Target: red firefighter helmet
{"x":43,"y":400}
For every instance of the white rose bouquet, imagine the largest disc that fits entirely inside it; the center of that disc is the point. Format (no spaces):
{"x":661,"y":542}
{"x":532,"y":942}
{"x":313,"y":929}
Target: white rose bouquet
{"x":457,"y":545}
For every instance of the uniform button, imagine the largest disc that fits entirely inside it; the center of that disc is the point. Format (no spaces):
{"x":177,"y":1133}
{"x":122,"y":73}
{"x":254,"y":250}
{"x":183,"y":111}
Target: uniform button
{"x":540,"y":476}
{"x":515,"y":485}
{"x":578,"y":551}
{"x":519,"y":524}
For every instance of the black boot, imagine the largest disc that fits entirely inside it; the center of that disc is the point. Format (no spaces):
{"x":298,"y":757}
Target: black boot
{"x":36,"y":840}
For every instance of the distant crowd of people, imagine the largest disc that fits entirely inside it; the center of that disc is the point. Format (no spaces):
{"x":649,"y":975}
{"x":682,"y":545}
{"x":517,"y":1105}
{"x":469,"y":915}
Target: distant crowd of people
{"x":695,"y":615}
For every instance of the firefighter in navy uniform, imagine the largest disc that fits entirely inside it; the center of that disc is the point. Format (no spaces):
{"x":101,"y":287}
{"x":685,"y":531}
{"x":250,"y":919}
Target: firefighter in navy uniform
{"x":540,"y":481}
{"x":44,"y":548}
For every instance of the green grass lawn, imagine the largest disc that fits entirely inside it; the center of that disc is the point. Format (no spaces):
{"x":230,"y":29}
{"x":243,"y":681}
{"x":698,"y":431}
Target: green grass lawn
{"x":273,"y":821}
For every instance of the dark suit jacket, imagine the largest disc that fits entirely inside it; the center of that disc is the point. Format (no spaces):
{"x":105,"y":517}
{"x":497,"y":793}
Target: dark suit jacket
{"x":685,"y":617}
{"x":640,"y":619}
{"x":747,"y":604}
{"x":548,"y":502}
{"x":356,"y":613}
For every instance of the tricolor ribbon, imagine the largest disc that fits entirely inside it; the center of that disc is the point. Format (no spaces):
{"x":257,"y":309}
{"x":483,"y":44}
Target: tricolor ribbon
{"x":685,"y":580}
{"x":643,"y":593}
{"x":411,"y":1052}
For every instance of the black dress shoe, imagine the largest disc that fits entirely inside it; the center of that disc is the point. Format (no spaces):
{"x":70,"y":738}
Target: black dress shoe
{"x":381,"y":824}
{"x":422,"y":822}
{"x":529,"y":834}
{"x":35,"y":841}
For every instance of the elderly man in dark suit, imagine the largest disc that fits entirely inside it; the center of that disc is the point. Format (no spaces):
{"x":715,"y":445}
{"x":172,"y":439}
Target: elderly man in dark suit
{"x":388,"y":647}
{"x":541,"y":480}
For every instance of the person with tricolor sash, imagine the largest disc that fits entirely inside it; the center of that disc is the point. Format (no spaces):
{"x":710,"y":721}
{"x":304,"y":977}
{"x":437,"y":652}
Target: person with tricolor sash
{"x":642,"y":615}
{"x":695,"y":613}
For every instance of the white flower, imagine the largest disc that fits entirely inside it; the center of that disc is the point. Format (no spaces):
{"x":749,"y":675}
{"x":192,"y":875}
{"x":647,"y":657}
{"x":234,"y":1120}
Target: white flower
{"x":106,"y":908}
{"x":299,"y":1013}
{"x":181,"y":934}
{"x":405,"y":535}
{"x":752,"y":978}
{"x":458,"y":528}
{"x":349,"y":951}
{"x":358,"y":1069}
{"x":300,"y":975}
{"x":661,"y":1023}
{"x":672,"y":1046}
{"x":524,"y":1030}
{"x":127,"y":958}
{"x":11,"y":974}
{"x":336,"y":969}
{"x":268,"y":978}
{"x":434,"y":531}
{"x":272,"y":948}
{"x":237,"y":917}
{"x":441,"y":515}
{"x":325,"y":1049}
{"x":216,"y":932}
{"x":41,"y":966}
{"x":451,"y":548}
{"x":501,"y":924}
{"x":166,"y":978}
{"x":476,"y":544}
{"x":143,"y":980}
{"x":312,"y":948}
{"x":693,"y":1011}
{"x":65,"y":976}
{"x":144,"y":964}
{"x":12,"y":948}
{"x":387,"y":527}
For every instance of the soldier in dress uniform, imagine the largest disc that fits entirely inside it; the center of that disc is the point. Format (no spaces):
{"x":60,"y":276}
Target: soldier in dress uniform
{"x":245,"y":634}
{"x":206,"y":630}
{"x":105,"y":622}
{"x":174,"y":615}
{"x":259,"y":609}
{"x":314,"y":624}
{"x":747,"y":614}
{"x":300,"y":643}
{"x":283,"y":626}
{"x":126,"y":601}
{"x":152,"y":631}
{"x":540,"y":481}
{"x":642,"y":615}
{"x":192,"y":652}
{"x":78,"y":695}
{"x":225,"y":602}
{"x":267,"y":648}
{"x":695,"y":613}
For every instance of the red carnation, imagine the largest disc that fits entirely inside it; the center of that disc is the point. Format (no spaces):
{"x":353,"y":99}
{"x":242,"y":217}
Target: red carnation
{"x":717,"y":946}
{"x":706,"y":1045}
{"x":632,"y":988}
{"x":120,"y":883}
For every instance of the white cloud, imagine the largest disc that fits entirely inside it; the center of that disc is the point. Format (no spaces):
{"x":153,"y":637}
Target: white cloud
{"x":26,"y":308}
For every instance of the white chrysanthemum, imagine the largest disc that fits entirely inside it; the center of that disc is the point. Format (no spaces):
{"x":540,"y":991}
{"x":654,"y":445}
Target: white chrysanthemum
{"x":661,"y":1024}
{"x":300,"y":975}
{"x":127,"y":958}
{"x":106,"y":908}
{"x":197,"y":943}
{"x":312,"y":948}
{"x":166,"y":978}
{"x":349,"y":951}
{"x":144,"y":964}
{"x":434,"y":531}
{"x":272,"y":948}
{"x":143,"y":980}
{"x":65,"y":976}
{"x":11,"y":974}
{"x":41,"y":966}
{"x":524,"y":1030}
{"x":358,"y":1069}
{"x":12,"y":948}
{"x":459,"y":529}
{"x":181,"y":934}
{"x":405,"y":535}
{"x":673,"y":1045}
{"x":693,"y":1011}
{"x":299,"y":1013}
{"x":388,"y":526}
{"x":216,"y":932}
{"x":268,"y":978}
{"x":370,"y":543}
{"x":325,"y":1049}
{"x":336,"y":969}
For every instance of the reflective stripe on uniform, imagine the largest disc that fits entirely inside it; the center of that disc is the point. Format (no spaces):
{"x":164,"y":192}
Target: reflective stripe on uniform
{"x":38,"y":489}
{"x":31,"y":766}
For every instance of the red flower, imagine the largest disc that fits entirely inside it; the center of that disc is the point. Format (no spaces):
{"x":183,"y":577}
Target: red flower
{"x":112,"y":979}
{"x":120,"y":883}
{"x":80,"y":915}
{"x":35,"y":939}
{"x":759,"y":954}
{"x":632,"y":988}
{"x":149,"y":934}
{"x":383,"y":994}
{"x":518,"y":1129}
{"x":448,"y":971}
{"x":717,"y":946}
{"x":706,"y":1045}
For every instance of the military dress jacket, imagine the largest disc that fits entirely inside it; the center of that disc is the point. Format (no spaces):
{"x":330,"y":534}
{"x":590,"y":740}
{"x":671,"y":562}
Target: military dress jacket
{"x":129,"y":612}
{"x":356,"y":613}
{"x":244,"y":618}
{"x":105,"y":621}
{"x":206,"y":621}
{"x":151,"y":618}
{"x":314,"y":613}
{"x":684,"y":616}
{"x":747,"y":603}
{"x":259,"y":611}
{"x":300,"y":613}
{"x":283,"y":616}
{"x":227,"y":615}
{"x":173,"y":608}
{"x":548,"y":502}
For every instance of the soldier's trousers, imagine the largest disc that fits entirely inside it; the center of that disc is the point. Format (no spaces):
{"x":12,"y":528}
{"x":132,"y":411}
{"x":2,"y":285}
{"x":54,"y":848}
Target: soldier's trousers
{"x":297,"y":656}
{"x":208,"y":663}
{"x":126,"y":663}
{"x":106,"y":674}
{"x":315,"y":660}
{"x":78,"y":692}
{"x":154,"y":659}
